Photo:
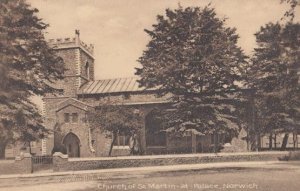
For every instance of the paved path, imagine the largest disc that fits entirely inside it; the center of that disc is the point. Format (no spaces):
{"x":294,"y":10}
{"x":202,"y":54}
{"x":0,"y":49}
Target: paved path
{"x":147,"y":169}
{"x":264,"y":176}
{"x":83,"y":177}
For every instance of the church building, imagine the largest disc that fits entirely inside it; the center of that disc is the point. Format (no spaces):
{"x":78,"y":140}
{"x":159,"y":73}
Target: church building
{"x":66,"y":113}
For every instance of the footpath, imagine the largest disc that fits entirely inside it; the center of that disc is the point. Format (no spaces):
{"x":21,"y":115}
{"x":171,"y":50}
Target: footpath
{"x":128,"y":173}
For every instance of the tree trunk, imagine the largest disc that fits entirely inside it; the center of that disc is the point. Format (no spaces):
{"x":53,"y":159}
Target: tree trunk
{"x":112,"y":143}
{"x":253,"y":142}
{"x":257,"y":142}
{"x":248,"y":141}
{"x":29,"y":146}
{"x":2,"y":150}
{"x":275,"y":141}
{"x":284,"y":141}
{"x":270,"y":141}
{"x":295,"y":140}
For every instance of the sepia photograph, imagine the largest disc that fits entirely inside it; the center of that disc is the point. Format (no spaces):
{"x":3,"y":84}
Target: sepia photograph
{"x":142,"y":95}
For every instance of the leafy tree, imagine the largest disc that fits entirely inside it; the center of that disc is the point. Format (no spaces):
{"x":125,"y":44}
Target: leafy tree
{"x":290,"y":13}
{"x":114,"y":120}
{"x":274,"y":75}
{"x":27,"y":67}
{"x":194,"y":57}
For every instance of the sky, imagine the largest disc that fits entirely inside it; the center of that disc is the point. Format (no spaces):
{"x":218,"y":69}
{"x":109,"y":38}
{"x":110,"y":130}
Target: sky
{"x":116,"y":27}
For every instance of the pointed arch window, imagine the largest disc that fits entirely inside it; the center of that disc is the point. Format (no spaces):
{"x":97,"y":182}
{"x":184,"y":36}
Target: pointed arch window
{"x":87,"y":70}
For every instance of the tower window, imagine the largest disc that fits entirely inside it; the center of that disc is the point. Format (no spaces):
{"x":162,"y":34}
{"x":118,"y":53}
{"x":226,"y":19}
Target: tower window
{"x":67,"y":117}
{"x":87,"y":70}
{"x":74,"y":117}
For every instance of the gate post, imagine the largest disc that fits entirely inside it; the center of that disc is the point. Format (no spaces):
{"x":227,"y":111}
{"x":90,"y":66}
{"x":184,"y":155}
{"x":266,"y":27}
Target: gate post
{"x":59,"y":161}
{"x":24,"y":163}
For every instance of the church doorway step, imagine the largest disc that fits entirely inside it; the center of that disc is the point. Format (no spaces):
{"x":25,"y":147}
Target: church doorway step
{"x":72,"y":144}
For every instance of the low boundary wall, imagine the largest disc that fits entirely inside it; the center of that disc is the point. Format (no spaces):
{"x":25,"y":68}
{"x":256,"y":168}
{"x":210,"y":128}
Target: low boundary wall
{"x":63,"y":163}
{"x":21,"y":165}
{"x":24,"y":163}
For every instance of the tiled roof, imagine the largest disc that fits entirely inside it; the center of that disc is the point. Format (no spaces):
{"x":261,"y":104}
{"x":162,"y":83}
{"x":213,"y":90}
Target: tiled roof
{"x":111,"y":86}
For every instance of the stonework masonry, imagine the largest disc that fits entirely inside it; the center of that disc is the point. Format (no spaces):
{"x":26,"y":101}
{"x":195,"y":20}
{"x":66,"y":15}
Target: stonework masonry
{"x":24,"y":163}
{"x":79,"y":63}
{"x":63,"y":163}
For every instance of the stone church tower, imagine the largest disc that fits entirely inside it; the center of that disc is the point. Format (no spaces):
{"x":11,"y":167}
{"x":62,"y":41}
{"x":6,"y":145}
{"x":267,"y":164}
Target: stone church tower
{"x":79,"y":62}
{"x":64,"y":114}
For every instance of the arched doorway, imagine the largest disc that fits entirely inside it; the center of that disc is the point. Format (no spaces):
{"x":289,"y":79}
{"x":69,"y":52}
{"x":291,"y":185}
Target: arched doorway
{"x":72,"y":144}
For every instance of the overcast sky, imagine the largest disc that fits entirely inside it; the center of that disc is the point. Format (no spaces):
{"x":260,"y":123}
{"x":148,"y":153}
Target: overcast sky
{"x":116,"y":27}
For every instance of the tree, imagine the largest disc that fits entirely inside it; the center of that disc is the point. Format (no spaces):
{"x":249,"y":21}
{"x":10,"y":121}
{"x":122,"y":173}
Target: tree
{"x":27,"y":67}
{"x":114,"y":120}
{"x":194,"y":57}
{"x":274,"y":75}
{"x":290,"y":13}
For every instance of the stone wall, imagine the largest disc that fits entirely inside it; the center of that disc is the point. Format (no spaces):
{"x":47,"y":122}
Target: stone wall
{"x":50,"y":121}
{"x":80,"y":128}
{"x":174,"y":144}
{"x":62,"y":163}
{"x":70,"y":83}
{"x":101,"y":143}
{"x":21,"y":165}
{"x":24,"y":163}
{"x":293,"y":155}
{"x":75,"y":58}
{"x":85,"y":58}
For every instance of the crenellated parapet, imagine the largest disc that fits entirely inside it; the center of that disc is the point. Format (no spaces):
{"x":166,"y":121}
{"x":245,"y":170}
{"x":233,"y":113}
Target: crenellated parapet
{"x":63,"y":43}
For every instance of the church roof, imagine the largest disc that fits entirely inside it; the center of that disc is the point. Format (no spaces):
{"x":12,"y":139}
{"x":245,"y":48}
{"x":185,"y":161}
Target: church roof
{"x":116,"y":85}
